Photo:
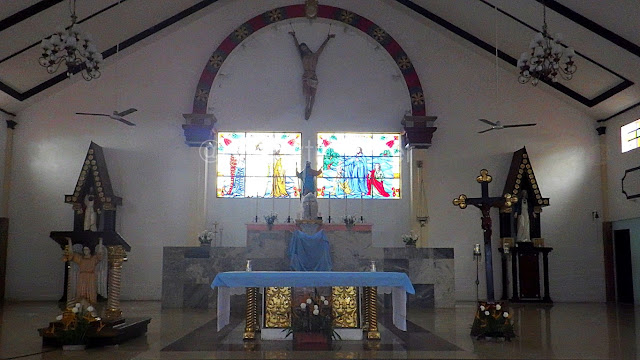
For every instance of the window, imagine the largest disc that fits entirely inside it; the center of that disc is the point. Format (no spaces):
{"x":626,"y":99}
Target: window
{"x":359,"y":165}
{"x":630,"y":136}
{"x":261,"y":164}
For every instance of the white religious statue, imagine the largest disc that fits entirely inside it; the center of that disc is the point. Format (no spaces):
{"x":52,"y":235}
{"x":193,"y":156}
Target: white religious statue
{"x":89,"y":214}
{"x":310,"y":207}
{"x":523,"y":228}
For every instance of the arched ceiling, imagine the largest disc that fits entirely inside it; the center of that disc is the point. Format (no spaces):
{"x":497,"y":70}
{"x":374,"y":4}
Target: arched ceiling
{"x":604,"y":36}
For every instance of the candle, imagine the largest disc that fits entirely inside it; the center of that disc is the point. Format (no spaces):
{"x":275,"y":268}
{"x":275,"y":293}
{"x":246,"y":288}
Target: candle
{"x":256,"y":207}
{"x":361,"y":206}
{"x":476,"y":249}
{"x":329,"y":206}
{"x":345,"y":205}
{"x":273,"y":203}
{"x":289,"y":215}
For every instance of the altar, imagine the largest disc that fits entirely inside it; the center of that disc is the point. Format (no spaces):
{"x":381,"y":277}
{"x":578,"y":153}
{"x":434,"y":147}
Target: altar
{"x":340,"y":282}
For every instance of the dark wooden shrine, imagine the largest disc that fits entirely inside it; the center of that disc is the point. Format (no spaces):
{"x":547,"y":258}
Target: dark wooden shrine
{"x":525,"y":256}
{"x":94,"y":195}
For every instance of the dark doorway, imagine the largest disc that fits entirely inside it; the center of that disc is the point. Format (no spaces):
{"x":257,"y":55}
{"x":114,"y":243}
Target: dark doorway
{"x":624,"y":275}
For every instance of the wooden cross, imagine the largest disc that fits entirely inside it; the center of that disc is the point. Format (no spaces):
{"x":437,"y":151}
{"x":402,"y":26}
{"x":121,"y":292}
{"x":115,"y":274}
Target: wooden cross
{"x":485,"y":203}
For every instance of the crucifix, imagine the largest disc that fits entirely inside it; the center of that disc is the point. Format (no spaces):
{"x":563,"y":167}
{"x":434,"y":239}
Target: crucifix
{"x":485,"y":203}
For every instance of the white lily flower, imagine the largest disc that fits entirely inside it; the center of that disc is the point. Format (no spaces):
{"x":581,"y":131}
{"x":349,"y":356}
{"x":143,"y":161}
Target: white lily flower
{"x":59,"y":317}
{"x":481,"y":307}
{"x":505,"y":314}
{"x":303,"y":306}
{"x":309,"y":301}
{"x":498,"y":307}
{"x":90,"y":308}
{"x":486,"y":313}
{"x":74,"y":310}
{"x":326,"y":302}
{"x":321,"y":298}
{"x":315,"y":307}
{"x":316,"y":312}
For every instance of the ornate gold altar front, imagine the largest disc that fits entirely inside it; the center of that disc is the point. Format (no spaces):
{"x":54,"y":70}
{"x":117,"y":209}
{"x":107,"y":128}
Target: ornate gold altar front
{"x":345,"y":304}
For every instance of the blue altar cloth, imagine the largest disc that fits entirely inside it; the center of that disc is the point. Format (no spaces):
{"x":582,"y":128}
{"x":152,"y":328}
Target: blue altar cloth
{"x":398,"y":282}
{"x":309,"y":252}
{"x":312,"y":279}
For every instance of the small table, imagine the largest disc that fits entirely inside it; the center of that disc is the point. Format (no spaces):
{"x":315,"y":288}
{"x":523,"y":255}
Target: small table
{"x":252,"y":280}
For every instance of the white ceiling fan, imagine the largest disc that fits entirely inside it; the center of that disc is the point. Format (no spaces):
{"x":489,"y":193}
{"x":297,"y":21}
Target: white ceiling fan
{"x":119,"y":116}
{"x":498,"y":125}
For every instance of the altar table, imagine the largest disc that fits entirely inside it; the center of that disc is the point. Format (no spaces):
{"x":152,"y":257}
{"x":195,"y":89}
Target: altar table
{"x":251,"y":280}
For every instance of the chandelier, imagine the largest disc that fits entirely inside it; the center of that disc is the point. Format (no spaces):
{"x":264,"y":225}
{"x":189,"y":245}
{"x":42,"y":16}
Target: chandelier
{"x":547,"y":58}
{"x":75,"y":49}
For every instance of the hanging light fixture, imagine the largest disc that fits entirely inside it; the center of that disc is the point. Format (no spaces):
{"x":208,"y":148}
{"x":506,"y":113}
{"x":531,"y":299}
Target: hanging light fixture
{"x":547,"y":58}
{"x":75,"y":49}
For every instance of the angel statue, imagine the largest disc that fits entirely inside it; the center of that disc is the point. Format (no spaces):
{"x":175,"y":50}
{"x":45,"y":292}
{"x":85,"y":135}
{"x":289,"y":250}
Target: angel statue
{"x":87,"y":272}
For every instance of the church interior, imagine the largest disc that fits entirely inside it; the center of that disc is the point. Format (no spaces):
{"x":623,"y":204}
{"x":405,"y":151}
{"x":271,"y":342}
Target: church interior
{"x":470,"y":189}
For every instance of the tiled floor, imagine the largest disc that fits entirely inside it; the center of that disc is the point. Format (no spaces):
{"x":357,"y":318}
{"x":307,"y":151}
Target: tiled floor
{"x":564,"y":331}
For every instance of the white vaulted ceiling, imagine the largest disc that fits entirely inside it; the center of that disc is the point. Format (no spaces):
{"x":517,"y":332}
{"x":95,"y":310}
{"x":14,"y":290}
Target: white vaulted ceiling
{"x":604,"y":34}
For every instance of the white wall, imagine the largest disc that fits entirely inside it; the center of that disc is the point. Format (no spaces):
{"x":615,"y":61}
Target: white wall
{"x":160,"y":178}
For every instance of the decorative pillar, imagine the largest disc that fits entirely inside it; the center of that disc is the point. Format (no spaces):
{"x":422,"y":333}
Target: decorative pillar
{"x":70,"y":298}
{"x":117,"y":256}
{"x":418,"y":133}
{"x":372,"y":304}
{"x":251,"y":314}
{"x":365,"y":309}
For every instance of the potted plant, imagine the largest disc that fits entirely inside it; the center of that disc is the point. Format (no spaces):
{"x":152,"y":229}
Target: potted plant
{"x":206,"y":237}
{"x":492,"y":321}
{"x":73,"y":327}
{"x":349,"y":221}
{"x":270,"y":220}
{"x":312,"y":323}
{"x":410,"y":239}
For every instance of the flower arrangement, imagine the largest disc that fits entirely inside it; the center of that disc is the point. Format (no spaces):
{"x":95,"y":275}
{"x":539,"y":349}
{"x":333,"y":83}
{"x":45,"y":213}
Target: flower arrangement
{"x":271,"y":218}
{"x":492,"y":320}
{"x":73,"y":325}
{"x":410,"y":239}
{"x":349,"y":220}
{"x":206,"y":237}
{"x":313,"y":316}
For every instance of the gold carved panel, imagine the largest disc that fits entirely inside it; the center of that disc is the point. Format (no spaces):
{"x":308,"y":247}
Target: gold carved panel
{"x":344,"y":304}
{"x":277,"y":313}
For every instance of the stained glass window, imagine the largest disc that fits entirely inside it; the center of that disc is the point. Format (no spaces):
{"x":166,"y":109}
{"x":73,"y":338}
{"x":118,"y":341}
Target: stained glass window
{"x":630,"y":136}
{"x":359,"y":165}
{"x":259,"y":164}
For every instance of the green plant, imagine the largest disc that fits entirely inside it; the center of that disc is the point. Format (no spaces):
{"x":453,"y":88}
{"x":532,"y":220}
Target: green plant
{"x":271,"y":218}
{"x":312,"y":315}
{"x":74,"y":324}
{"x":410,"y":238}
{"x":206,"y":237}
{"x":492,"y":320}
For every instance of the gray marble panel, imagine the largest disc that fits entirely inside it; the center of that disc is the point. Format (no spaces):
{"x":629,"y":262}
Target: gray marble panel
{"x":172,"y":294}
{"x":197,"y":271}
{"x":443,"y":253}
{"x":423,"y":298}
{"x":197,"y":252}
{"x":396,"y":265}
{"x":196,"y":296}
{"x":270,"y":264}
{"x":445,"y":283}
{"x":267,"y":244}
{"x":422,"y":271}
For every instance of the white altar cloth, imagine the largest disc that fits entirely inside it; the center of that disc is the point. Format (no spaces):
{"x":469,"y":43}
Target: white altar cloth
{"x":234,"y":281}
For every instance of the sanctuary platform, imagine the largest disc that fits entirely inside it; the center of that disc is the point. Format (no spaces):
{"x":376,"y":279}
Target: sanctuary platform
{"x":187,"y":272}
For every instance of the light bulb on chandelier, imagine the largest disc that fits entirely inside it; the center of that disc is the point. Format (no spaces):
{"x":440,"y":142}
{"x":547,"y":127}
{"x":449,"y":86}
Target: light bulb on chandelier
{"x":72,"y":47}
{"x":547,"y":59}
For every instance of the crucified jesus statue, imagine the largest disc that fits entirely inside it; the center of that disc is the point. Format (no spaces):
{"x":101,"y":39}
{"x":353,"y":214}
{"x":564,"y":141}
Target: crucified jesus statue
{"x":309,"y":78}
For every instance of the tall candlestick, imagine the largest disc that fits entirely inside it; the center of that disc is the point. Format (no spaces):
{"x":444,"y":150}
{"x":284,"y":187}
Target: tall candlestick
{"x":273,"y":203}
{"x":345,"y":205}
{"x":256,"y":207}
{"x":361,"y":206}
{"x":329,"y":206}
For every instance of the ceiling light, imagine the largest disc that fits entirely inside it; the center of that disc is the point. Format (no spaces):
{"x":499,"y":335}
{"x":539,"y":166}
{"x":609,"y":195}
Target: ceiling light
{"x":73,"y":48}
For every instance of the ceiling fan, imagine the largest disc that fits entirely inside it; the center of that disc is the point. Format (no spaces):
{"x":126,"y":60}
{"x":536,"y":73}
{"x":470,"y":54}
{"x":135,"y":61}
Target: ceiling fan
{"x":498,"y":125}
{"x":115,"y":116}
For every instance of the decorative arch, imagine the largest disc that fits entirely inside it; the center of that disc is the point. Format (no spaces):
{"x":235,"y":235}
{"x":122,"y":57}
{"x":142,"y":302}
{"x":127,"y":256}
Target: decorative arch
{"x":361,"y":23}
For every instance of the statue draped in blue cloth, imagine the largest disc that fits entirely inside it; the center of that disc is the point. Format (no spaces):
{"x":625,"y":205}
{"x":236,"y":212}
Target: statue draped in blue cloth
{"x":308,"y":176}
{"x":310,"y":252}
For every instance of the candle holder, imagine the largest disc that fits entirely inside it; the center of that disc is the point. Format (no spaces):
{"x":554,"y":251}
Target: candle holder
{"x":288,"y":219}
{"x":256,"y":219}
{"x":249,"y":267}
{"x":476,"y":257}
{"x":361,"y":219}
{"x":329,"y":219}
